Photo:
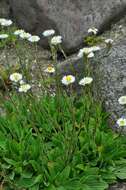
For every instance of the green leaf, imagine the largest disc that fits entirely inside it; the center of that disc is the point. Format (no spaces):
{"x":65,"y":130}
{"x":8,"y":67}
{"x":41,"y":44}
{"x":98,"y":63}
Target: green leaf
{"x":10,"y":161}
{"x":26,"y":174}
{"x":85,"y":187}
{"x":60,"y":188}
{"x":26,"y":182}
{"x":34,"y":187}
{"x":98,"y":185}
{"x":5,"y":166}
{"x":2,"y":141}
{"x":64,"y":175}
{"x":38,"y":179}
{"x":121,"y":173}
{"x":51,"y":187}
{"x":11,"y":175}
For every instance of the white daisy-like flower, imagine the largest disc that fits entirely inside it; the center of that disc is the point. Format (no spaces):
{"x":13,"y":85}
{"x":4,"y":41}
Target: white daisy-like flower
{"x":18,"y":32}
{"x":121,"y":122}
{"x":4,"y":36}
{"x":6,"y":22}
{"x":68,"y":79}
{"x":48,"y":33}
{"x":25,"y":35}
{"x":34,"y":39}
{"x":85,"y":80}
{"x":90,"y":55}
{"x":88,"y":51}
{"x":93,"y":30}
{"x":50,"y":69}
{"x":95,"y":48}
{"x":16,"y":77}
{"x":85,"y":51}
{"x":108,"y":41}
{"x":56,"y":40}
{"x":24,"y":88}
{"x":2,"y":20}
{"x":122,"y":100}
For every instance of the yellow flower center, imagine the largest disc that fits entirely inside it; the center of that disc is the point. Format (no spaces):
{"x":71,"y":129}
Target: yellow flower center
{"x":122,"y":123}
{"x":16,"y":77}
{"x":50,"y":68}
{"x":68,"y":78}
{"x":123,"y":99}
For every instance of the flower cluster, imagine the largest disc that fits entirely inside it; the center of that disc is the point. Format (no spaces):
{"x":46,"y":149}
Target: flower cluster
{"x":121,"y":122}
{"x":69,"y":79}
{"x":17,"y":77}
{"x":88,"y":51}
{"x":55,"y":40}
{"x":48,"y":33}
{"x":5,"y":22}
{"x":27,"y":36}
{"x":93,"y":30}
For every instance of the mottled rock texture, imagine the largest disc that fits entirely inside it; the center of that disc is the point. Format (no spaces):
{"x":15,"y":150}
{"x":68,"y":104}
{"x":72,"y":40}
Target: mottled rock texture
{"x":4,"y":8}
{"x":119,"y":186}
{"x":70,"y":18}
{"x":110,"y":81}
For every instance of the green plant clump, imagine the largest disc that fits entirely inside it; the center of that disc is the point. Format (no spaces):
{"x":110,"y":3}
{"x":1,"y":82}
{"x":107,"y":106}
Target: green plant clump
{"x":92,"y":40}
{"x":45,"y":145}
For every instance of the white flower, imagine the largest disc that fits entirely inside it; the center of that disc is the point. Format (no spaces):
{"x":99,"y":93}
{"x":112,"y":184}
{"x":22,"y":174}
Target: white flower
{"x":88,"y":51}
{"x":93,"y":30}
{"x":22,"y":82}
{"x":18,"y":32}
{"x":85,"y":80}
{"x":24,"y":88}
{"x":56,"y":40}
{"x":25,"y":35}
{"x":81,"y":53}
{"x":95,"y":48}
{"x":5,"y":22}
{"x":48,"y":33}
{"x":122,"y":100}
{"x":121,"y":122}
{"x":4,"y":36}
{"x":85,"y":51}
{"x":108,"y":41}
{"x":90,"y":55}
{"x":34,"y":39}
{"x":2,"y":20}
{"x":66,"y":80}
{"x":50,"y":69}
{"x":15,"y":77}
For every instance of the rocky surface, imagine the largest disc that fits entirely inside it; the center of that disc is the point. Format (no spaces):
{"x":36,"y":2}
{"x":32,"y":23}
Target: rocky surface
{"x":70,"y":18}
{"x":4,"y":8}
{"x":119,"y":186}
{"x":111,"y":79}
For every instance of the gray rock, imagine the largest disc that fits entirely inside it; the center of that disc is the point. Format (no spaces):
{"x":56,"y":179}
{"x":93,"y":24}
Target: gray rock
{"x":4,"y":9}
{"x":119,"y":186}
{"x":70,"y":18}
{"x":110,"y":81}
